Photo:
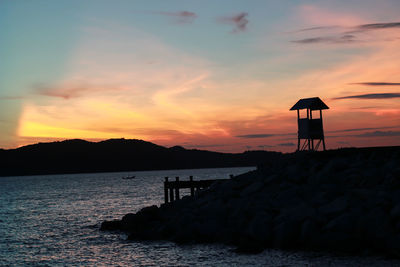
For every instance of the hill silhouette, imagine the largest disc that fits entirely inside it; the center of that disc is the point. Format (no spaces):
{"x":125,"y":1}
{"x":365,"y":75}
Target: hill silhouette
{"x":80,"y":156}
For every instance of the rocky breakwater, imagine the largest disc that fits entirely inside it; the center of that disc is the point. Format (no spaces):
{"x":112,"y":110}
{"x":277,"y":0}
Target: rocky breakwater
{"x":344,"y":200}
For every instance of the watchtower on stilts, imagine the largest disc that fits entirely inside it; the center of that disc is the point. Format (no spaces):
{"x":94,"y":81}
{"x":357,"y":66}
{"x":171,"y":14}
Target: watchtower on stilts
{"x":310,"y":128}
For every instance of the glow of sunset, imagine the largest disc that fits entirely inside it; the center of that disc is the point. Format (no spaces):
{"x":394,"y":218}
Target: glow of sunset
{"x":198,"y":74}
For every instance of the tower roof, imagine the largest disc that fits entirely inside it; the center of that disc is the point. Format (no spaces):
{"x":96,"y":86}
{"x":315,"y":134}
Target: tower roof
{"x":313,"y":103}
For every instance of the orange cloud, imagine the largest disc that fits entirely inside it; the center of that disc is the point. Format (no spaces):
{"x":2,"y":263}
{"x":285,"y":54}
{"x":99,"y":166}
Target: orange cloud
{"x":183,"y":99}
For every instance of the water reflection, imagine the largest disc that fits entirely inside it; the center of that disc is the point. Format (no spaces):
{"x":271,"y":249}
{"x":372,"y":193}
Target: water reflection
{"x":54,"y":220}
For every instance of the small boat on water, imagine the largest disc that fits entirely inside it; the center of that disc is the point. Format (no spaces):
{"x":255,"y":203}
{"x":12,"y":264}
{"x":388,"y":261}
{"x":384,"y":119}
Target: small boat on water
{"x":129,"y":177}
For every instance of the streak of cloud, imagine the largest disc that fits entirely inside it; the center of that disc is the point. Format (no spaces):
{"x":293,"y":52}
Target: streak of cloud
{"x":362,"y":129}
{"x":376,"y":84}
{"x":344,"y":34}
{"x":357,"y":28}
{"x":316,"y":29}
{"x":370,"y":96}
{"x":205,"y":146}
{"x":286,"y":144}
{"x":379,"y":134}
{"x":256,"y":135}
{"x":347,"y":38}
{"x":182,"y":17}
{"x":251,"y":136}
{"x":240,"y":21}
{"x":343,"y":142}
{"x":65,"y":93}
{"x":69,"y":92}
{"x":265,"y":146}
{"x":377,"y":26}
{"x":366,"y":108}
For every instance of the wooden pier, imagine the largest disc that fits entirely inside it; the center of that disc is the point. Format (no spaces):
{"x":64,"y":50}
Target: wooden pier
{"x":174,"y":186}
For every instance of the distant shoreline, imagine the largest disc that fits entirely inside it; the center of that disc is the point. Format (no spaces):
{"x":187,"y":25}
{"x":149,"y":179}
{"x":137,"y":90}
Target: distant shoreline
{"x":117,"y":155}
{"x":124,"y":155}
{"x":123,"y":172}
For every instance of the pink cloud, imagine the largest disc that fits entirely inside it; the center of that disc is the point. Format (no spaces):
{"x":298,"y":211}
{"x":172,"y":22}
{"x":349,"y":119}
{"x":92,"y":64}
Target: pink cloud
{"x":71,"y":91}
{"x":239,"y":21}
{"x":337,"y":26}
{"x":314,"y":15}
{"x":182,"y":17}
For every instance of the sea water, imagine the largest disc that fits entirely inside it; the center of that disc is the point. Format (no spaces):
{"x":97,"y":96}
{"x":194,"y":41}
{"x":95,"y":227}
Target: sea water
{"x":54,"y":220}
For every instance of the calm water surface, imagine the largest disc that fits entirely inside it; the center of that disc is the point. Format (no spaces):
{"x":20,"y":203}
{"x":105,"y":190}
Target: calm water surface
{"x":54,"y":220}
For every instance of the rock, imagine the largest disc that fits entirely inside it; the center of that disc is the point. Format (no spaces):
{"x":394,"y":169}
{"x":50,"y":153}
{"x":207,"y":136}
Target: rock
{"x":240,"y":183}
{"x":246,"y":245}
{"x":110,"y":225}
{"x":352,"y":177}
{"x":260,"y":229}
{"x":186,"y":234}
{"x":395,"y":196}
{"x":256,"y":236}
{"x":339,"y":241}
{"x":252,"y":189}
{"x":372,"y":178}
{"x":344,"y":223}
{"x":286,"y":198}
{"x":128,"y":218}
{"x":310,"y":232}
{"x":393,"y":246}
{"x":390,"y":166}
{"x":295,"y":174}
{"x":319,"y":198}
{"x":395,"y":212}
{"x":336,"y":165}
{"x":334,"y":207}
{"x":324,"y":177}
{"x":139,"y":221}
{"x":296,"y":213}
{"x":345,"y":200}
{"x":237,"y":219}
{"x":286,"y":234}
{"x":333,"y":190}
{"x":391,"y":181}
{"x":207,"y":230}
{"x":374,"y":227}
{"x":149,"y":213}
{"x":272,"y":179}
{"x":361,"y":193}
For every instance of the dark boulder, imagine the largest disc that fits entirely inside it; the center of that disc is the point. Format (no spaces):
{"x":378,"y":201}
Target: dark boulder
{"x":110,"y":225}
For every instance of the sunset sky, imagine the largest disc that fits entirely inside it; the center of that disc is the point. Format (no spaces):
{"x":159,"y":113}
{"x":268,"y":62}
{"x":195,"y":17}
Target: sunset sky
{"x":214,"y":75}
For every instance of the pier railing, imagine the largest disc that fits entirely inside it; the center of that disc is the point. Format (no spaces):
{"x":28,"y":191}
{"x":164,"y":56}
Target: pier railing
{"x":171,"y":188}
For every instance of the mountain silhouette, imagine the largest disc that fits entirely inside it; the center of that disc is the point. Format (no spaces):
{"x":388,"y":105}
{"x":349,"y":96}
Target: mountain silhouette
{"x":80,"y":156}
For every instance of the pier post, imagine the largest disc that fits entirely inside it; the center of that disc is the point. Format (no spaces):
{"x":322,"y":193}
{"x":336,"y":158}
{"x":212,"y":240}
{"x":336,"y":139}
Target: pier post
{"x":177,"y":188}
{"x":166,"y":190}
{"x":191,"y":186}
{"x":171,"y":193}
{"x":171,"y":188}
